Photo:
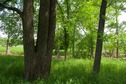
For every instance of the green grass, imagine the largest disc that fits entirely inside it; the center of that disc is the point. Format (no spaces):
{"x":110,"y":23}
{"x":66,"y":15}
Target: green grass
{"x":11,"y":70}
{"x":2,"y":48}
{"x":17,"y":49}
{"x":14,"y":49}
{"x":72,"y":71}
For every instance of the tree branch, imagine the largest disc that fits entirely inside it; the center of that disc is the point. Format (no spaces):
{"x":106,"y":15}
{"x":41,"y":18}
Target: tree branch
{"x":11,"y":8}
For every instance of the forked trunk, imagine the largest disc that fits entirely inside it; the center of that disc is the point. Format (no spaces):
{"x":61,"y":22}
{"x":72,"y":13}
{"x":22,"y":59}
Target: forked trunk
{"x":38,"y":58}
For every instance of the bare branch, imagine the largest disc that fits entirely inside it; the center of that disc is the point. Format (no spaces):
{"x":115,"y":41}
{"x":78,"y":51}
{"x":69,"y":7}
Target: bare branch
{"x":11,"y":8}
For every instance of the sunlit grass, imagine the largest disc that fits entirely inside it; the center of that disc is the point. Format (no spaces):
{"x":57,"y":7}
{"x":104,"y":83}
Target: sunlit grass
{"x":17,"y":49}
{"x":2,"y":48}
{"x":71,"y":71}
{"x":14,"y":49}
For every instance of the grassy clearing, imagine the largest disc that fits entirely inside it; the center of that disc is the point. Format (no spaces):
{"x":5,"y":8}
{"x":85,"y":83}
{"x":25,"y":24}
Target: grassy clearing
{"x":14,"y":49}
{"x":17,"y":49}
{"x":2,"y":48}
{"x":72,"y":71}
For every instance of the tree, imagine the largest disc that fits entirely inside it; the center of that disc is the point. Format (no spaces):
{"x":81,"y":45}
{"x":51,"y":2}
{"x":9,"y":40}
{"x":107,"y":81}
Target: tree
{"x":96,"y":67}
{"x":85,"y":16}
{"x":114,"y":27}
{"x":37,"y":58}
{"x":12,"y":28}
{"x":65,"y":16}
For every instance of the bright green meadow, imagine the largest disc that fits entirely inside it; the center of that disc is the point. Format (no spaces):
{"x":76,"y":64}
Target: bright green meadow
{"x":14,"y":49}
{"x":71,"y":71}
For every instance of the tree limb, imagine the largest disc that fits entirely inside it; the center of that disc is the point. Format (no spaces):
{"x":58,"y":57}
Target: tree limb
{"x":11,"y":8}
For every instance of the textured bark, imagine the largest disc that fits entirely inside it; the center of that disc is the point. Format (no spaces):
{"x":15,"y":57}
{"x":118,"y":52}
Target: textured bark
{"x":51,"y":33}
{"x":46,"y":31}
{"x":38,"y":58}
{"x":41,"y":44}
{"x":96,"y":67}
{"x":28,"y":38}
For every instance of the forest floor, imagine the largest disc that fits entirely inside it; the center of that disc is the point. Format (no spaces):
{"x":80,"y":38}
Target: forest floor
{"x":71,"y":71}
{"x":18,"y":54}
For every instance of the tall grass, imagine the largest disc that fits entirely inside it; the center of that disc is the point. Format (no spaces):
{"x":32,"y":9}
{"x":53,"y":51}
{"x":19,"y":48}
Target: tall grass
{"x":11,"y":70}
{"x":72,"y":71}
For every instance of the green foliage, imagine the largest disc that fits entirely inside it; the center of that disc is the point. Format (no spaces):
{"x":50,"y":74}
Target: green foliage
{"x":2,"y":41}
{"x":1,"y":8}
{"x":11,"y":27}
{"x":80,"y":26}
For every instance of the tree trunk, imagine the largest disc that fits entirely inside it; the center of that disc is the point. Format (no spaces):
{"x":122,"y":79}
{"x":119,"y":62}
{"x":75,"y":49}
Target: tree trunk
{"x":58,"y":51}
{"x":38,"y":58}
{"x":7,"y":45}
{"x":28,"y":39}
{"x":66,"y":43}
{"x":66,"y":34}
{"x":117,"y":32}
{"x":73,"y":43}
{"x":96,"y":67}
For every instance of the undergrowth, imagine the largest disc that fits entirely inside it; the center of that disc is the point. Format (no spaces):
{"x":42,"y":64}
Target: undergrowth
{"x":71,"y":71}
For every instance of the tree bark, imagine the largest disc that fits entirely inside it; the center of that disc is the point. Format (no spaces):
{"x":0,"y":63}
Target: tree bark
{"x":45,"y":36}
{"x":96,"y":67}
{"x":38,"y":58}
{"x":28,"y":39}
